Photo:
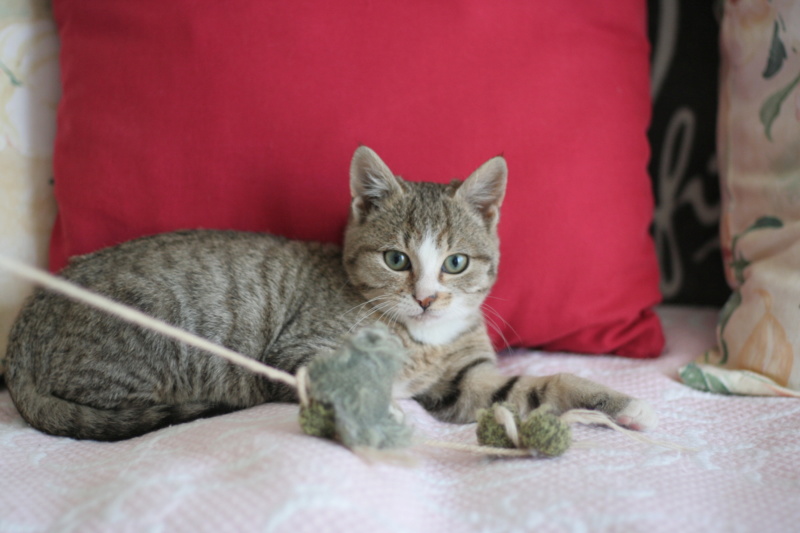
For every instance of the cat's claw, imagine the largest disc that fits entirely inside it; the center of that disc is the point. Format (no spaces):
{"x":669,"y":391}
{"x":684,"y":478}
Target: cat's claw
{"x":637,"y":415}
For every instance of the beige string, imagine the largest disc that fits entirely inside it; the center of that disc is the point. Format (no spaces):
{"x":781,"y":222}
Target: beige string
{"x":302,"y":385}
{"x":479,"y":449}
{"x":505,"y":418}
{"x":588,"y":417}
{"x":134,"y":316}
{"x":301,"y":381}
{"x":574,"y":416}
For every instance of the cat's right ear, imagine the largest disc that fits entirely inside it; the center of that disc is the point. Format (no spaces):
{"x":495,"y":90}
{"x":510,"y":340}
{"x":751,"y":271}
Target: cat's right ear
{"x":371,"y":182}
{"x":485,"y":189}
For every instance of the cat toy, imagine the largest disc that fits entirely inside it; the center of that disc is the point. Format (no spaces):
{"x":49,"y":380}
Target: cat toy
{"x":346,"y":395}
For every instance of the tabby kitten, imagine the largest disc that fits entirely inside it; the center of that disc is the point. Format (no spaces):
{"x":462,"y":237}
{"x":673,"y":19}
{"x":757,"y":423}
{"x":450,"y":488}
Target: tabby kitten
{"x":420,"y":257}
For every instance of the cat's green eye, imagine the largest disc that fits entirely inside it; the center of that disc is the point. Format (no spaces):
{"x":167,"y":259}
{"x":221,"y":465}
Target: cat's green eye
{"x":396,"y":260}
{"x":455,"y":264}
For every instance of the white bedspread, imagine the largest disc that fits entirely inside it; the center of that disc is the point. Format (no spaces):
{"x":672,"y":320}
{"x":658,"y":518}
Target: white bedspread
{"x":255,"y":471}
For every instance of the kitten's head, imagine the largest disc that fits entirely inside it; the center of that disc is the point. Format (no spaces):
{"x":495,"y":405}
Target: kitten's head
{"x":425,"y":254}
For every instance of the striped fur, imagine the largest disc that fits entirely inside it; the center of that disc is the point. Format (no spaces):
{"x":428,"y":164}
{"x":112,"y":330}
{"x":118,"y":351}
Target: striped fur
{"x":76,"y":372}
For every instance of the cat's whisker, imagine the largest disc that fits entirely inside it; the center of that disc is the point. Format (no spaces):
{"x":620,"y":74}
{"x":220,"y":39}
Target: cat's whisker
{"x":395,"y":316}
{"x":391,"y":313}
{"x":496,"y":326}
{"x":371,"y":300}
{"x":372,"y":311}
{"x":377,"y":298}
{"x":498,"y":315}
{"x":362,"y":319}
{"x":492,"y":320}
{"x":493,"y":325}
{"x":362,"y":313}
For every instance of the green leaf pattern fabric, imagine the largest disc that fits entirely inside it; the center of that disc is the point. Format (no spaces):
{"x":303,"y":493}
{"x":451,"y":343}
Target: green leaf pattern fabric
{"x":758,"y":350}
{"x":29,"y":94}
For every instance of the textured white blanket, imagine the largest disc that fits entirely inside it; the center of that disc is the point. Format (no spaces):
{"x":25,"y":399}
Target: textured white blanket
{"x":255,"y":471}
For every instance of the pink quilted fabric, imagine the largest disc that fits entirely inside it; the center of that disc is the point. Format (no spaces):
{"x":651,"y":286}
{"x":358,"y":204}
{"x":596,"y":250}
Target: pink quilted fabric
{"x":254,"y":471}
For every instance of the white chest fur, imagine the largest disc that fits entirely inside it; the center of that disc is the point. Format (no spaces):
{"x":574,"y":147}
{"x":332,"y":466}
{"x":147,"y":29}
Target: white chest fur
{"x":439,"y":331}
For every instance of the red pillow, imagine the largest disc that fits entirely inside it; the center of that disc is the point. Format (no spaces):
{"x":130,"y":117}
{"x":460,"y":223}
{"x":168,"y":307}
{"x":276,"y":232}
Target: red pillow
{"x":187,"y":114}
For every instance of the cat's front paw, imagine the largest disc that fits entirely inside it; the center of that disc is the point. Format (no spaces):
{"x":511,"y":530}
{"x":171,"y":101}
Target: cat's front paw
{"x":637,"y":415}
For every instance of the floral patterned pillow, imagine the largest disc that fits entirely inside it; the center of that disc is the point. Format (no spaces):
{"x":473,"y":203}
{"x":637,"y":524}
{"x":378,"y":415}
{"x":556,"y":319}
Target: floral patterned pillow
{"x":759,"y":157}
{"x":29,"y":92}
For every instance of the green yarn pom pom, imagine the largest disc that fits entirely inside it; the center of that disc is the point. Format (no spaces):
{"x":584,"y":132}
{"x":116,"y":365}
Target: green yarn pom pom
{"x":318,"y":420}
{"x":545,"y":432}
{"x":542,"y":430}
{"x":491,"y":432}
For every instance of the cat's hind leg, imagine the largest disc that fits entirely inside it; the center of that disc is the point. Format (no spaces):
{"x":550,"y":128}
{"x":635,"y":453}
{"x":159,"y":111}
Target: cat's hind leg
{"x":79,"y":418}
{"x":103,"y":401}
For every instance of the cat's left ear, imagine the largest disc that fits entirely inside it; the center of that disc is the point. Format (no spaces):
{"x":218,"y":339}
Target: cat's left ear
{"x":485,"y":189}
{"x":371,"y":181}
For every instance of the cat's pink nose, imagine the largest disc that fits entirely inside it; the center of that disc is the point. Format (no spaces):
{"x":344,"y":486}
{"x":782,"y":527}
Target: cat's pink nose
{"x":425,"y":303}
